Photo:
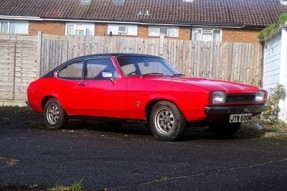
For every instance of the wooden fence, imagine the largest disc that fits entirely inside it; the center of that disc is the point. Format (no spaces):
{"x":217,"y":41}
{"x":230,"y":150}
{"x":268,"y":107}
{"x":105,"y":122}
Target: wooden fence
{"x":239,"y":62}
{"x":18,"y":65}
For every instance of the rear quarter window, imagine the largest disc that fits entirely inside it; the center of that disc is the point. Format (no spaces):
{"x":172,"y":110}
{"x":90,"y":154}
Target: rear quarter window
{"x":72,"y":71}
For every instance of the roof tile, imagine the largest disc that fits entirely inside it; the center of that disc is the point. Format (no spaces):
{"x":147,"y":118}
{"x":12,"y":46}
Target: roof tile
{"x":255,"y":13}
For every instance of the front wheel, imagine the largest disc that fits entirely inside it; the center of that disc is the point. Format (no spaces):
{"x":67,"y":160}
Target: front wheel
{"x":54,"y":115}
{"x":225,"y":129}
{"x":166,"y":121}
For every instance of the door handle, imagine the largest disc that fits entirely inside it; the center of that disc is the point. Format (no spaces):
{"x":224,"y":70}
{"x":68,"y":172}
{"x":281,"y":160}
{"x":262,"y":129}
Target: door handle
{"x":82,"y":84}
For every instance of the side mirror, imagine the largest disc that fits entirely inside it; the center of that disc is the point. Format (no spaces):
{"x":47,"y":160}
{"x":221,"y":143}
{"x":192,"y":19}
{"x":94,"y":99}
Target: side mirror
{"x":107,"y":74}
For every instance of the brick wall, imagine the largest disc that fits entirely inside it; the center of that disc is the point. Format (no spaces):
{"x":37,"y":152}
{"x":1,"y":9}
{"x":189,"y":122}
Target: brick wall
{"x":184,"y":33}
{"x":228,"y":35}
{"x":56,"y":28}
{"x":239,"y":35}
{"x":100,"y":29}
{"x":143,"y":31}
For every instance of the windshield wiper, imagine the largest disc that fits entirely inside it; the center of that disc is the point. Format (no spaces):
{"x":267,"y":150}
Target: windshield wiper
{"x":177,"y":75}
{"x":153,"y":73}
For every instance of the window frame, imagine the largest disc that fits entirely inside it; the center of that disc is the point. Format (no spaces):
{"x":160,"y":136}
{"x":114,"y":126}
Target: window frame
{"x":122,"y":63}
{"x":14,"y":22}
{"x":85,"y":72}
{"x":122,"y":32}
{"x":131,"y":29}
{"x":80,"y":27}
{"x":118,"y":2}
{"x":206,"y":31}
{"x":158,"y":31}
{"x":69,"y":64}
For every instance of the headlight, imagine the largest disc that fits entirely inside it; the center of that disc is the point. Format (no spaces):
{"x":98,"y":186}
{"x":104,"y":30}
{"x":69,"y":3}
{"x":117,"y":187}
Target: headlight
{"x":218,"y":97}
{"x":260,"y":96}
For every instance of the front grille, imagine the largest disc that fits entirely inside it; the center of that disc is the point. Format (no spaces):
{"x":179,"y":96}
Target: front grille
{"x":239,"y":98}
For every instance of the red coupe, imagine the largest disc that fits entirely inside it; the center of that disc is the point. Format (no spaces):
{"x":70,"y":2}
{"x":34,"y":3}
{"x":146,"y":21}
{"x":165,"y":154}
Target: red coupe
{"x":142,"y":87}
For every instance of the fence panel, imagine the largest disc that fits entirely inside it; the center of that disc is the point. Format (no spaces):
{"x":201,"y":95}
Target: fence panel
{"x":23,"y":58}
{"x":54,"y":50}
{"x":218,"y":60}
{"x":7,"y":67}
{"x":18,"y":67}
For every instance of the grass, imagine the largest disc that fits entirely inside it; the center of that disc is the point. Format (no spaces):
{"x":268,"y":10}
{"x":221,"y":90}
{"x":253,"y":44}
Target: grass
{"x":27,"y":187}
{"x":36,"y":187}
{"x":72,"y":187}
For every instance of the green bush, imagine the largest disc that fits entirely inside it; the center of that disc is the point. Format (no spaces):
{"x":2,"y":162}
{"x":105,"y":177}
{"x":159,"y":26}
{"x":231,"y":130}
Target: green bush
{"x":276,"y":94}
{"x":283,"y":19}
{"x":272,"y":28}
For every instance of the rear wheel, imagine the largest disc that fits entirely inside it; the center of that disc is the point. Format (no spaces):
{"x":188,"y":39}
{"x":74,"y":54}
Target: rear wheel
{"x":166,"y":121}
{"x":54,"y":115}
{"x":225,"y":129}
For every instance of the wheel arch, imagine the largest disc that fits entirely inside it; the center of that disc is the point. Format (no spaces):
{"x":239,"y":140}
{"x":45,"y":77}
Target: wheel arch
{"x":45,"y":99}
{"x":152,"y":102}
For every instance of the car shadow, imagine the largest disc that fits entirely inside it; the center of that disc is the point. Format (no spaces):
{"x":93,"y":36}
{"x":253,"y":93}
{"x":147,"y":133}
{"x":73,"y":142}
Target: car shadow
{"x":12,"y":117}
{"x":115,"y":127}
{"x":139,"y":130}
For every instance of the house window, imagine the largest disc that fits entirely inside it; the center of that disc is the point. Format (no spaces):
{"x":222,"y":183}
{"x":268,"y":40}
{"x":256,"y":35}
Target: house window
{"x":19,"y":27}
{"x":85,"y":2}
{"x":122,"y":29}
{"x":118,"y":2}
{"x":204,"y":34}
{"x":80,"y":29}
{"x":116,"y":29}
{"x":166,"y":31}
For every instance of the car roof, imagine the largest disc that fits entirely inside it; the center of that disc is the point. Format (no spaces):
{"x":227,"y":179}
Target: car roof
{"x":90,"y":56}
{"x":112,"y":55}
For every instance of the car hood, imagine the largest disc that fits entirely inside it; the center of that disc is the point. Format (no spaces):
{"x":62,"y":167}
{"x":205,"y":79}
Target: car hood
{"x":213,"y":85}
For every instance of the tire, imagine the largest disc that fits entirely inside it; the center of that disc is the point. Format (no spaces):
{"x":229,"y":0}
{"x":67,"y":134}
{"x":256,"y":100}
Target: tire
{"x":166,"y":121}
{"x":225,"y":129}
{"x":54,"y":115}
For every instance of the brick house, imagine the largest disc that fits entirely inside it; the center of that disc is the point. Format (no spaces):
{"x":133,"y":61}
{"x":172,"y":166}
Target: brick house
{"x":200,"y":20}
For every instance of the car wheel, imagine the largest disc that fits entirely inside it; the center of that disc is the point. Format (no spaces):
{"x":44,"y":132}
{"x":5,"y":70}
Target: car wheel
{"x":54,"y":115}
{"x":166,"y":121}
{"x":225,"y":129}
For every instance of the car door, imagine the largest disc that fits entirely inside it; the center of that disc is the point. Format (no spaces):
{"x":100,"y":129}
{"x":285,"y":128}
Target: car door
{"x":103,"y":92}
{"x":67,"y":86}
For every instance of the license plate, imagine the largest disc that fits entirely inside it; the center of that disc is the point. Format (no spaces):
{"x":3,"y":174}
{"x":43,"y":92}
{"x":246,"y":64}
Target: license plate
{"x":237,"y":118}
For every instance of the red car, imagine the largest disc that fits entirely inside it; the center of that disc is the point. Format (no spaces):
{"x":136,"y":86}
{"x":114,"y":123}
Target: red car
{"x":142,"y":87}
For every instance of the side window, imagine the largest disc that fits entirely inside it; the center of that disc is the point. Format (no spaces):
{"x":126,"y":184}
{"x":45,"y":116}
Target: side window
{"x":96,"y":67}
{"x":73,"y":71}
{"x":129,"y":69}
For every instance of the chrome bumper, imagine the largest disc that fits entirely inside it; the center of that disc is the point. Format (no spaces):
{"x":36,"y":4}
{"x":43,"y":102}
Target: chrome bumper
{"x":254,"y":109}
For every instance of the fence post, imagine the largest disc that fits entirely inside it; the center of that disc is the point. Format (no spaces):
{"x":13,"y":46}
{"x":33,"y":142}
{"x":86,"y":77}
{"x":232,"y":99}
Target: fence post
{"x":14,"y":68}
{"x":39,"y":51}
{"x":161,"y":39}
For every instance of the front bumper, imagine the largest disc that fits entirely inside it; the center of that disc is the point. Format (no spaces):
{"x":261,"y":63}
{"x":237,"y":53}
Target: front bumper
{"x":254,"y":109}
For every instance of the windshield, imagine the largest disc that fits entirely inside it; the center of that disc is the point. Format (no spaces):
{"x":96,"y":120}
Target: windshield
{"x":143,"y":66}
